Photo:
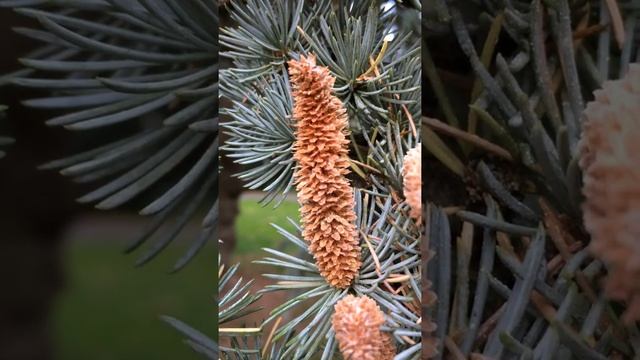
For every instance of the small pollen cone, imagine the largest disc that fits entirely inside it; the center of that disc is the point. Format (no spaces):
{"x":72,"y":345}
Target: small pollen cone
{"x":412,"y":180}
{"x":321,"y":150}
{"x":610,"y":159}
{"x":357,"y":322}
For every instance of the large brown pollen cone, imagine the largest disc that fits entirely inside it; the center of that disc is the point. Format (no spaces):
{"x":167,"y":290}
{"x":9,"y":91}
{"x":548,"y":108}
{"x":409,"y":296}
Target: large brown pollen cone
{"x":321,"y":150}
{"x":610,"y":159}
{"x":357,"y":322}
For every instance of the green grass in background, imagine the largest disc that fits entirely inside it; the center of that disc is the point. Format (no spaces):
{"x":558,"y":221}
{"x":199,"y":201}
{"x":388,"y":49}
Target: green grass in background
{"x":253,"y":226}
{"x":110,"y":310}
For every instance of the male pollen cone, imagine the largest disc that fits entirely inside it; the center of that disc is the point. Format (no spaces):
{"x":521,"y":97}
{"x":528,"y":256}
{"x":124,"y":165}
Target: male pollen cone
{"x":610,"y":159}
{"x":356,"y":322}
{"x":412,"y":180}
{"x":321,"y":150}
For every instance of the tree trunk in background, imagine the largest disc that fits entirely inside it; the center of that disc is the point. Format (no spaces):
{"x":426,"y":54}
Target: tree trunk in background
{"x":230,"y":187}
{"x":229,"y":194}
{"x":35,"y":206}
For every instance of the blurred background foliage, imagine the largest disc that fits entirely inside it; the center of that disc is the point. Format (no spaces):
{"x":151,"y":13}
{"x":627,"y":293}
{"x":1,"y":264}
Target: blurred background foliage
{"x":70,"y":294}
{"x":90,"y":322}
{"x":110,"y":309}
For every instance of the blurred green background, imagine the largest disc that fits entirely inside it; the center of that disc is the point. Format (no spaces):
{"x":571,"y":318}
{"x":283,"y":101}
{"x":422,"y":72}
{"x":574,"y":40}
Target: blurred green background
{"x":253,"y":225}
{"x":110,"y":310}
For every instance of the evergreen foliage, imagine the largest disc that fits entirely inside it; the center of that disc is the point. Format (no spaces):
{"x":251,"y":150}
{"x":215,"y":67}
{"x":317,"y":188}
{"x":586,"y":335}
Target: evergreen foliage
{"x":140,"y":79}
{"x":513,"y":272}
{"x":376,"y":64}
